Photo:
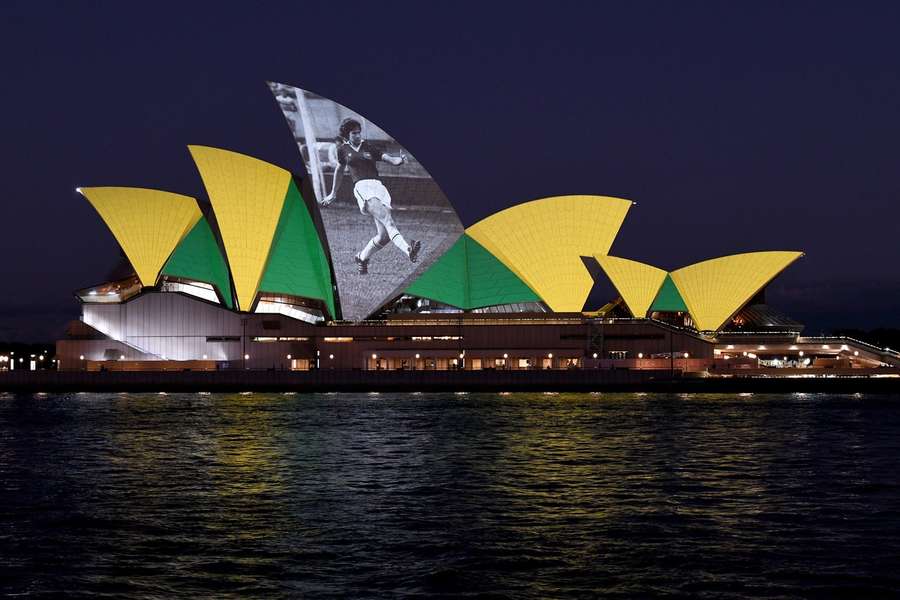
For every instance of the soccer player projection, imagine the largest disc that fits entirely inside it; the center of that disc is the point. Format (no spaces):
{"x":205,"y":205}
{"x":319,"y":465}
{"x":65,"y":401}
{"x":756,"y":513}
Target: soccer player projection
{"x":385,"y":218}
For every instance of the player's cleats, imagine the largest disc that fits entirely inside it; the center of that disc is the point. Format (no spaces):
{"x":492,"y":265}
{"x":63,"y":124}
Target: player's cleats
{"x":362,"y":266}
{"x":414,"y":247}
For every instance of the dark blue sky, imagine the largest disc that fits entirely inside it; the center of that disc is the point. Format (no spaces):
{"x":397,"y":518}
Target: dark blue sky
{"x":735,"y":126}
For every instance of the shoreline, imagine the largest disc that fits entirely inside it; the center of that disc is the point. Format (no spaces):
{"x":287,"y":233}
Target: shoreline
{"x":430,"y":381}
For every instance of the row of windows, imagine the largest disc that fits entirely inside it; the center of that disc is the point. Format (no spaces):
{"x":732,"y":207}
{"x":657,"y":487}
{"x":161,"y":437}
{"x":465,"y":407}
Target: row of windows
{"x":615,"y":336}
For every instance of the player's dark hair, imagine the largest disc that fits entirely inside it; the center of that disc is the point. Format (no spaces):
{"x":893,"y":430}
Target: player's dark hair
{"x":348,"y":125}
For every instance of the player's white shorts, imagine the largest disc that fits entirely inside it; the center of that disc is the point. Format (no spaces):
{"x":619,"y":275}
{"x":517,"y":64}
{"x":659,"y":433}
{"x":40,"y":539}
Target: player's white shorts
{"x":370,"y":188}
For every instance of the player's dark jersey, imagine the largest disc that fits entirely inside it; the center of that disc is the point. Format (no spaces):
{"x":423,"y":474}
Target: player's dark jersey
{"x":361,"y":162}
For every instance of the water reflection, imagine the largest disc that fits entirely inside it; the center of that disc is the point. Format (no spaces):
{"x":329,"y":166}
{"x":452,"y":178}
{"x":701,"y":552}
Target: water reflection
{"x":521,"y":495}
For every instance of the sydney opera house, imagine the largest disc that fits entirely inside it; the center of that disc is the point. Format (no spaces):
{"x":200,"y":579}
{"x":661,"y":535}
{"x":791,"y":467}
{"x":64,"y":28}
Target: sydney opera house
{"x":360,"y":263}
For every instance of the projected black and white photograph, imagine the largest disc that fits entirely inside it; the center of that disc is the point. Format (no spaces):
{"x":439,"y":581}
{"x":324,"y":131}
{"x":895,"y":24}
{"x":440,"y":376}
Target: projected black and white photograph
{"x":385,"y":218}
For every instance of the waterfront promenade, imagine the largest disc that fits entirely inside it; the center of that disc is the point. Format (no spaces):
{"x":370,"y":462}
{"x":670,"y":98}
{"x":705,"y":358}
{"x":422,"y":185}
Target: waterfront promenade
{"x":886,"y":381}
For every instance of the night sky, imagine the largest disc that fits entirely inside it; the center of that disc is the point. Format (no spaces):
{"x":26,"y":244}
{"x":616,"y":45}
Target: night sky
{"x":735,"y":127}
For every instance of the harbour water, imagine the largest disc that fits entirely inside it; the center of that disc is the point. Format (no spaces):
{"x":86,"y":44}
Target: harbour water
{"x":450,"y":495}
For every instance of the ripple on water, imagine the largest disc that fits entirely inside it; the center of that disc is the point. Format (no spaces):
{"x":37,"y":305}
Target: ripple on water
{"x":471,"y":495}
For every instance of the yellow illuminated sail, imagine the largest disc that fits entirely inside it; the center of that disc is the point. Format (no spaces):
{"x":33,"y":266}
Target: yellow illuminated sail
{"x":148,"y":224}
{"x":542,"y":242}
{"x":247,"y":195}
{"x":714,"y":290}
{"x":637,"y":282}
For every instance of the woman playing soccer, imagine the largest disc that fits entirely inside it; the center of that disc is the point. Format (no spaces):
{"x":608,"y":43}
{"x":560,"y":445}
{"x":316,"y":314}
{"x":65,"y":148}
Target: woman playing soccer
{"x":373,"y":198}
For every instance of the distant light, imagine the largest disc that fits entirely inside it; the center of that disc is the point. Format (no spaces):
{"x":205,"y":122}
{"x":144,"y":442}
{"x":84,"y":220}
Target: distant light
{"x":121,"y":357}
{"x":826,"y":347}
{"x":81,"y":357}
{"x":729,"y":347}
{"x":41,"y":357}
{"x":844,"y":347}
{"x":289,"y":357}
{"x":761,"y":348}
{"x":505,"y":355}
{"x":417,"y":356}
{"x":92,"y":293}
{"x":686,"y":354}
{"x":856,"y":353}
{"x":751,"y":355}
{"x":550,"y":355}
{"x":462,"y":354}
{"x":784,"y":358}
{"x":743,"y":354}
{"x":205,"y":357}
{"x":640,"y":355}
{"x":246,"y":357}
{"x":331,"y":356}
{"x":595,"y":355}
{"x":374,"y":357}
{"x":801,"y":353}
{"x":78,"y":190}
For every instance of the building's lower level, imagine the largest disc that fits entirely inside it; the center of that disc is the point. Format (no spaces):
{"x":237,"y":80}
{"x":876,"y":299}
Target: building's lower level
{"x":172,"y":331}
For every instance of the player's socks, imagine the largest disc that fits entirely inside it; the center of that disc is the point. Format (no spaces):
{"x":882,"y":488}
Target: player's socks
{"x":371,"y":248}
{"x":400,"y":243}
